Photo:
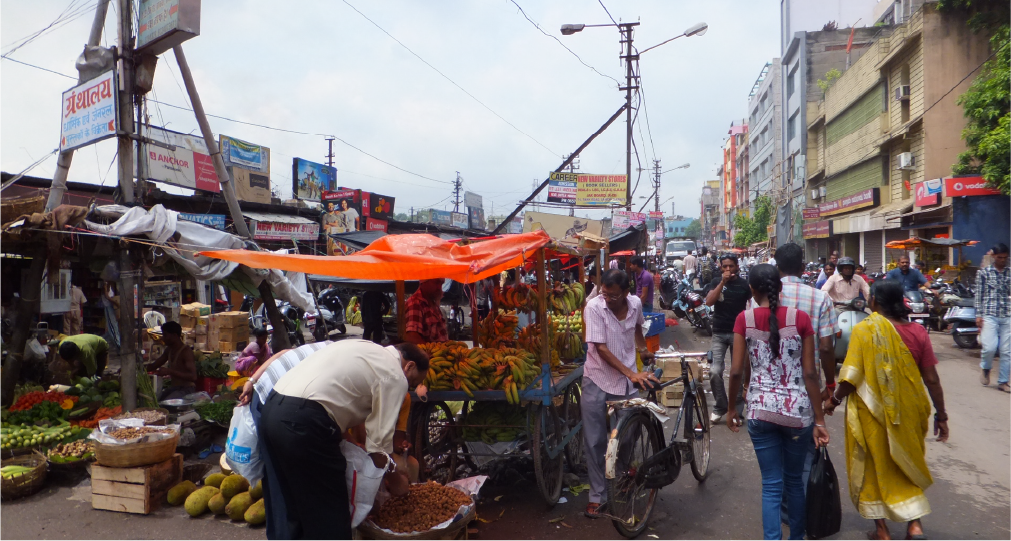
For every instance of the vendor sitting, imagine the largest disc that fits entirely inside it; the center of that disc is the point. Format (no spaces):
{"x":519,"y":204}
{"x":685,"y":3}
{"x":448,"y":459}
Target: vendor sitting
{"x":86,"y":354}
{"x":182,"y":367}
{"x":255,"y":354}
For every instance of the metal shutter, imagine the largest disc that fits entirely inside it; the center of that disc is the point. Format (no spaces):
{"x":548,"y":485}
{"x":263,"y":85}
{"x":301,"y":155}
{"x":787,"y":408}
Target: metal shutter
{"x":872,"y":251}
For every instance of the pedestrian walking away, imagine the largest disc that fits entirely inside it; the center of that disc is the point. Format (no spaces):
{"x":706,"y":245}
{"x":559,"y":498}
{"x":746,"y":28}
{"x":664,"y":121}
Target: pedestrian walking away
{"x":888,"y":363}
{"x":614,"y":321}
{"x":644,"y":286}
{"x":993,"y":317}
{"x":784,"y":412}
{"x":375,"y":304}
{"x":340,"y":386}
{"x":729,"y":295}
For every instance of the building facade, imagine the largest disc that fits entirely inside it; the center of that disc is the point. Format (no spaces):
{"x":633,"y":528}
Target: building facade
{"x":765,"y":146}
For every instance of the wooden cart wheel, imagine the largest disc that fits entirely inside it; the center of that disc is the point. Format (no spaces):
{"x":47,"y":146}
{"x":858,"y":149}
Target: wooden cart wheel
{"x":435,"y":443}
{"x":546,"y":434}
{"x":572,"y":415}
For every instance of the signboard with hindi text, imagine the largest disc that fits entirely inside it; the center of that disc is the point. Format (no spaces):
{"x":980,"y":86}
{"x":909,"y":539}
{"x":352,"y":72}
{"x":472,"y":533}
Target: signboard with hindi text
{"x":89,"y":112}
{"x":163,"y":24}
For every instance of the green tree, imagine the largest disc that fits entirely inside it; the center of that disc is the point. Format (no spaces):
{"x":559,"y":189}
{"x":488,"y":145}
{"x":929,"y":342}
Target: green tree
{"x":753,"y":229}
{"x":694,"y":229}
{"x":401,"y":217}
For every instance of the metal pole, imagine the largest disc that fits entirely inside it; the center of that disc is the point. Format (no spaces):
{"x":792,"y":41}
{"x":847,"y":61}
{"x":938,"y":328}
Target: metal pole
{"x":627,"y":30}
{"x":59,"y":185}
{"x":227,"y":187}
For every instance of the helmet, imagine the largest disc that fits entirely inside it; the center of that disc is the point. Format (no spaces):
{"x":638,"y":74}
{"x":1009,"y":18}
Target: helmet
{"x":843,"y":261}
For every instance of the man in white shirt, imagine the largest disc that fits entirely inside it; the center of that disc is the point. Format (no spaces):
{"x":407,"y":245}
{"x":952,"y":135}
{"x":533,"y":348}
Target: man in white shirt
{"x":690,"y":262}
{"x":340,"y":386}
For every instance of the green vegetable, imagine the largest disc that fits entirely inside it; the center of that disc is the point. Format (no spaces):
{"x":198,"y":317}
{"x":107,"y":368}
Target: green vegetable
{"x":220,"y":412}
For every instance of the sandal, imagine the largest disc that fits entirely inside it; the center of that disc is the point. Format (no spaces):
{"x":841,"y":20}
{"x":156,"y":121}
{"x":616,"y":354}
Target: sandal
{"x":592,"y":510}
{"x":1004,"y":387}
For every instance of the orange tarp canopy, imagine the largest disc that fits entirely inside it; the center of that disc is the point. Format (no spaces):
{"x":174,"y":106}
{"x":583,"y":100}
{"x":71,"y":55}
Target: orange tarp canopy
{"x":404,"y":257}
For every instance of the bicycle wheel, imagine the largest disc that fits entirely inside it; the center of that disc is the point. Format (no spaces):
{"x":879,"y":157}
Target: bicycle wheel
{"x":629,"y":500}
{"x":571,"y":416}
{"x":547,"y":431}
{"x":701,"y":437}
{"x":434,"y":443}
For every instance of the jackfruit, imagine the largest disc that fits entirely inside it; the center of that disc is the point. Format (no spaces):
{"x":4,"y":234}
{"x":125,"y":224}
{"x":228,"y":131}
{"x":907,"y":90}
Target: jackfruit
{"x":232,"y":485}
{"x":217,"y":504}
{"x":178,"y":494}
{"x":256,"y":514}
{"x":256,"y":491}
{"x":196,"y":503}
{"x":236,"y":509}
{"x":214,"y":480}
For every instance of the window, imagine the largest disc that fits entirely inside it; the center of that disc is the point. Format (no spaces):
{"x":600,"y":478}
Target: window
{"x":791,"y":127}
{"x":790,"y":83}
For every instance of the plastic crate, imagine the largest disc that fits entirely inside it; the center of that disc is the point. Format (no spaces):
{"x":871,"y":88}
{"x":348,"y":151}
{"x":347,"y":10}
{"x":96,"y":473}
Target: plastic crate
{"x":655,"y":324}
{"x":653,"y":343}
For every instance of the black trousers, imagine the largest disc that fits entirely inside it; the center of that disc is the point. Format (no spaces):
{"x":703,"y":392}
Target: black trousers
{"x":303,"y":446}
{"x":373,"y":331}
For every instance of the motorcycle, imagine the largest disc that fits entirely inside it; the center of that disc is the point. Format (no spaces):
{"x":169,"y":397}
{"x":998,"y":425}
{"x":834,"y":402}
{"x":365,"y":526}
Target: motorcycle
{"x":294,"y":320}
{"x":689,"y":303}
{"x":917,"y":305}
{"x":851,"y":313}
{"x":453,"y":292}
{"x":961,"y":315}
{"x":331,"y":312}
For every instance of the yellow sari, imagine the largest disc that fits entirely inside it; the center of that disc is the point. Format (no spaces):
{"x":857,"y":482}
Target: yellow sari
{"x":886,"y":424}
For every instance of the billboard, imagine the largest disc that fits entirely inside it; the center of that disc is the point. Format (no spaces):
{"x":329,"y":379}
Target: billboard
{"x":459,"y":220}
{"x":442,"y":217}
{"x":217,"y":221}
{"x":372,"y":224}
{"x":601,"y":190}
{"x":380,"y":207}
{"x":284,"y":230}
{"x":561,"y":228}
{"x":163,"y":24}
{"x":923,"y":196}
{"x":475,"y":217}
{"x":562,"y":188}
{"x":188,"y":166}
{"x":962,"y":186}
{"x":310,"y":179}
{"x":341,"y":214}
{"x":239,"y":153}
{"x":471,"y":199}
{"x":89,"y":112}
{"x":656,"y":215}
{"x":251,"y":186}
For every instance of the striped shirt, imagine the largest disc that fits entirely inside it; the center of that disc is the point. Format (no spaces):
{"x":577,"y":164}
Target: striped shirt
{"x":281,"y":365}
{"x":992,"y":290}
{"x":602,"y":327}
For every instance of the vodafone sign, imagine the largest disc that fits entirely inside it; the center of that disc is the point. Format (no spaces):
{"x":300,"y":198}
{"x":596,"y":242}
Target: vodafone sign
{"x":962,"y":186}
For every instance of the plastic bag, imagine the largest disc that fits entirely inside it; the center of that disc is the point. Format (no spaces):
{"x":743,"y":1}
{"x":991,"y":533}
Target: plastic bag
{"x":824,"y":510}
{"x":363,"y":479}
{"x":242,"y":448}
{"x":106,"y":426}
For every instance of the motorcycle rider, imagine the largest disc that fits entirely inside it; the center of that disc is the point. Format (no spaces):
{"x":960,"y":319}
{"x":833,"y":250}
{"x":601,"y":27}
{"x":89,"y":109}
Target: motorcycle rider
{"x":845,"y":285}
{"x":911,"y":279}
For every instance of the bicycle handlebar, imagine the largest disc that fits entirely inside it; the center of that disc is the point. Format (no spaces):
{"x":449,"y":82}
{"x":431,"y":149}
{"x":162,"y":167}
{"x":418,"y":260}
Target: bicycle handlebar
{"x":680,"y":355}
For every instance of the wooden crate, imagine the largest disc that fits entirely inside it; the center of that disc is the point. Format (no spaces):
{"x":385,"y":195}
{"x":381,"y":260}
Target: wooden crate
{"x":134,"y":490}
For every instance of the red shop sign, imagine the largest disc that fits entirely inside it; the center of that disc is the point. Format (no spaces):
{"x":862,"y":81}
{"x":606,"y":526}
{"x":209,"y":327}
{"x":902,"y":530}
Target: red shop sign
{"x":372,"y":224}
{"x":818,"y":230}
{"x":812,"y":213}
{"x":959,"y":186}
{"x":866,"y":198}
{"x":923,"y":198}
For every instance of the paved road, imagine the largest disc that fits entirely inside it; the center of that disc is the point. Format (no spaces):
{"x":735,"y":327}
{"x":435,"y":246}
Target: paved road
{"x":971,"y":496}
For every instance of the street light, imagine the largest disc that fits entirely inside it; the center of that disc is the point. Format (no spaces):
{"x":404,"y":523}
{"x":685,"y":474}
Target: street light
{"x":628,"y":56}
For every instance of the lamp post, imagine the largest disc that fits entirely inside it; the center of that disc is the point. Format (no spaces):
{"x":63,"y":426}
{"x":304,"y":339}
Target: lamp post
{"x":628,"y":56}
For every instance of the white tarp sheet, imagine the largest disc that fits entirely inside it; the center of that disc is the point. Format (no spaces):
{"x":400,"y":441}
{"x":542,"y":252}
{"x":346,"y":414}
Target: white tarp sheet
{"x":181,"y":239}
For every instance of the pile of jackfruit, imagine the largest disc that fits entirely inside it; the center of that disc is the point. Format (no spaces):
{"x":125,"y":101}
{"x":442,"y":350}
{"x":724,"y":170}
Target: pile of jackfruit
{"x":222,"y":495}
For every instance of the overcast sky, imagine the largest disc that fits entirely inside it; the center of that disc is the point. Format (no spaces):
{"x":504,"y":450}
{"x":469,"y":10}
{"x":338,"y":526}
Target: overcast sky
{"x":322,"y":68}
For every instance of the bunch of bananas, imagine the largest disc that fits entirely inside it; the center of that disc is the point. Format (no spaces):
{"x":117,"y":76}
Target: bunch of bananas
{"x":518,"y":297}
{"x":568,"y":335}
{"x":353,"y":313}
{"x":453,"y":367}
{"x":500,"y":422}
{"x":498,"y":330}
{"x":567,"y":298}
{"x":529,"y":339}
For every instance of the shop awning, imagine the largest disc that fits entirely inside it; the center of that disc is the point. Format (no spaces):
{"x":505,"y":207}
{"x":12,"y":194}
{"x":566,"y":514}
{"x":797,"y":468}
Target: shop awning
{"x":916,"y":242}
{"x":893,"y":208}
{"x":405,"y":257}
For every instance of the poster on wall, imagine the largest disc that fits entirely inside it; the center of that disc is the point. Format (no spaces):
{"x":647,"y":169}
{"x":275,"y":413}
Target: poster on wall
{"x":310,"y":179}
{"x":188,"y":166}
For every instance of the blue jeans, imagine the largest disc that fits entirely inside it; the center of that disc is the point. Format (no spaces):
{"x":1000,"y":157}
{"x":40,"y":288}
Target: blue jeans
{"x":782,"y":452}
{"x":995,"y":339}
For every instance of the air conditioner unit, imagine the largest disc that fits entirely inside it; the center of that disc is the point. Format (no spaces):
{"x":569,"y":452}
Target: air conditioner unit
{"x":814,"y":194}
{"x":822,"y":191}
{"x":906,"y":160}
{"x":902,"y":93}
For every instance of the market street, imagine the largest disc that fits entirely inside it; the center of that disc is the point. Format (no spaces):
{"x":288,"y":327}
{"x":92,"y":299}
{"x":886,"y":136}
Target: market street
{"x":969,"y":497}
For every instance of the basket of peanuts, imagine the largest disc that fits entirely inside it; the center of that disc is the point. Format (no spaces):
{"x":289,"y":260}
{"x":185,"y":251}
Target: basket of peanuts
{"x":428,"y":511}
{"x":128,"y":443}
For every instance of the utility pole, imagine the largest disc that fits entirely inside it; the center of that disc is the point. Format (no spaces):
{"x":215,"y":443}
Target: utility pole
{"x":457,"y":186}
{"x":656,"y":184}
{"x":329,"y":154}
{"x":626,"y":40}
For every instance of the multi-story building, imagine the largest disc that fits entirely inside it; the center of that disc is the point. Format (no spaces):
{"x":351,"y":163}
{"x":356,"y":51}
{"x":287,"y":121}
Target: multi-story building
{"x":810,"y":15}
{"x":734,"y":189}
{"x":883,"y":129}
{"x":710,"y":211}
{"x":765,"y":146}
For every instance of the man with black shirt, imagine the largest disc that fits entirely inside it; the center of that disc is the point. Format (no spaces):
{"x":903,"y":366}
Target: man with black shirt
{"x":729,"y":295}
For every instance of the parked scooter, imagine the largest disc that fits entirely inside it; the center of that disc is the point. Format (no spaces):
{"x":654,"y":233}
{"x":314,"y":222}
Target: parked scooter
{"x":852,"y":312}
{"x":331,"y":312}
{"x":961,"y":316}
{"x":688,"y":303}
{"x":294,"y":320}
{"x":917,"y":305}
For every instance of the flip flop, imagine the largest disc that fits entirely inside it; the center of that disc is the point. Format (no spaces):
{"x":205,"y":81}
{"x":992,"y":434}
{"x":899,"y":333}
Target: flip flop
{"x":873,"y":534}
{"x":592,"y":510}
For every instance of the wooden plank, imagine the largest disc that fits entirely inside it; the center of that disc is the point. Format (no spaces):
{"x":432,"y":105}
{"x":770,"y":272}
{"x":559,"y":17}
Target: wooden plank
{"x":401,"y":312}
{"x":123,"y":490}
{"x":119,"y":475}
{"x":122,"y":505}
{"x":156,"y":475}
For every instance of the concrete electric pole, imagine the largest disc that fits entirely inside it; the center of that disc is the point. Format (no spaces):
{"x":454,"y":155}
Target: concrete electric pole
{"x":457,"y":186}
{"x":329,"y":155}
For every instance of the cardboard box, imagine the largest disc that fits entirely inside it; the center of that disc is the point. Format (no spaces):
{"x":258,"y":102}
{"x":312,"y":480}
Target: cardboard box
{"x":200,"y":330}
{"x":203,"y":320}
{"x":212,"y":337}
{"x":672,"y":396}
{"x":201,"y":345}
{"x":225,"y":346}
{"x":194,"y":309}
{"x":187,"y":322}
{"x":232,"y":320}
{"x":238,"y":334}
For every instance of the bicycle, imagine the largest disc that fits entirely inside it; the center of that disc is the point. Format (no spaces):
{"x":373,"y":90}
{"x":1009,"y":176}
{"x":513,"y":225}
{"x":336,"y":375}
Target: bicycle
{"x":638,"y":461}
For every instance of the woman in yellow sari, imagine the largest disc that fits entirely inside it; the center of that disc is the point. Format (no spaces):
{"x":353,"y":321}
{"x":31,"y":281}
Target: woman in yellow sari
{"x":888,"y":363}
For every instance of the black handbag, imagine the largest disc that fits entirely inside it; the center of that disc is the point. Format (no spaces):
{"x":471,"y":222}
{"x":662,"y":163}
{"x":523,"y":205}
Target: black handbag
{"x":824,"y":509}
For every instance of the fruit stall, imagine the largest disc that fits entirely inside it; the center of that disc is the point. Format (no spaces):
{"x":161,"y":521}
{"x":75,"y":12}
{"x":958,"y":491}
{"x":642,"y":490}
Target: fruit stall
{"x":522,"y":369}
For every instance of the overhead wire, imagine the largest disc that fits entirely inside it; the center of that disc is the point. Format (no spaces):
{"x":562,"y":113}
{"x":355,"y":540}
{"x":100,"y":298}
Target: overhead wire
{"x":24,"y":172}
{"x":608,"y":12}
{"x":68,"y":15}
{"x":454,"y":83}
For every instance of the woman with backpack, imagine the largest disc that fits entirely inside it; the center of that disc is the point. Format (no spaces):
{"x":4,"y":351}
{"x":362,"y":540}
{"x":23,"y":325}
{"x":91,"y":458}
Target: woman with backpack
{"x":778,"y":345}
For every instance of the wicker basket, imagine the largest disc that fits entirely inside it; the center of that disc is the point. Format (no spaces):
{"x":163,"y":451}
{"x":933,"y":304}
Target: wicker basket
{"x":136,"y":454}
{"x":456,"y":530}
{"x":162,"y":422}
{"x":28,"y":483}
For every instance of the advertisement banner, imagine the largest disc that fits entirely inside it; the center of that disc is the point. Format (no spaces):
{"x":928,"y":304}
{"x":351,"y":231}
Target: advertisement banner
{"x":188,"y":166}
{"x":247,"y":155}
{"x":563,"y":229}
{"x":656,"y":215}
{"x":818,"y":230}
{"x":619,"y":221}
{"x":89,"y":112}
{"x":442,"y":217}
{"x":636,"y":218}
{"x":475,"y":216}
{"x":217,"y":221}
{"x":923,"y":196}
{"x":310,"y":179}
{"x":866,"y":198}
{"x":516,"y":226}
{"x":372,"y":224}
{"x":250,"y":185}
{"x":601,"y":190}
{"x":342,"y":211}
{"x":660,"y":232}
{"x":284,"y":231}
{"x":381,"y":207}
{"x":459,"y":219}
{"x":935,"y":185}
{"x":166,"y":23}
{"x":471,"y":199}
{"x":812,"y":213}
{"x":562,"y":188}
{"x":962,"y":186}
